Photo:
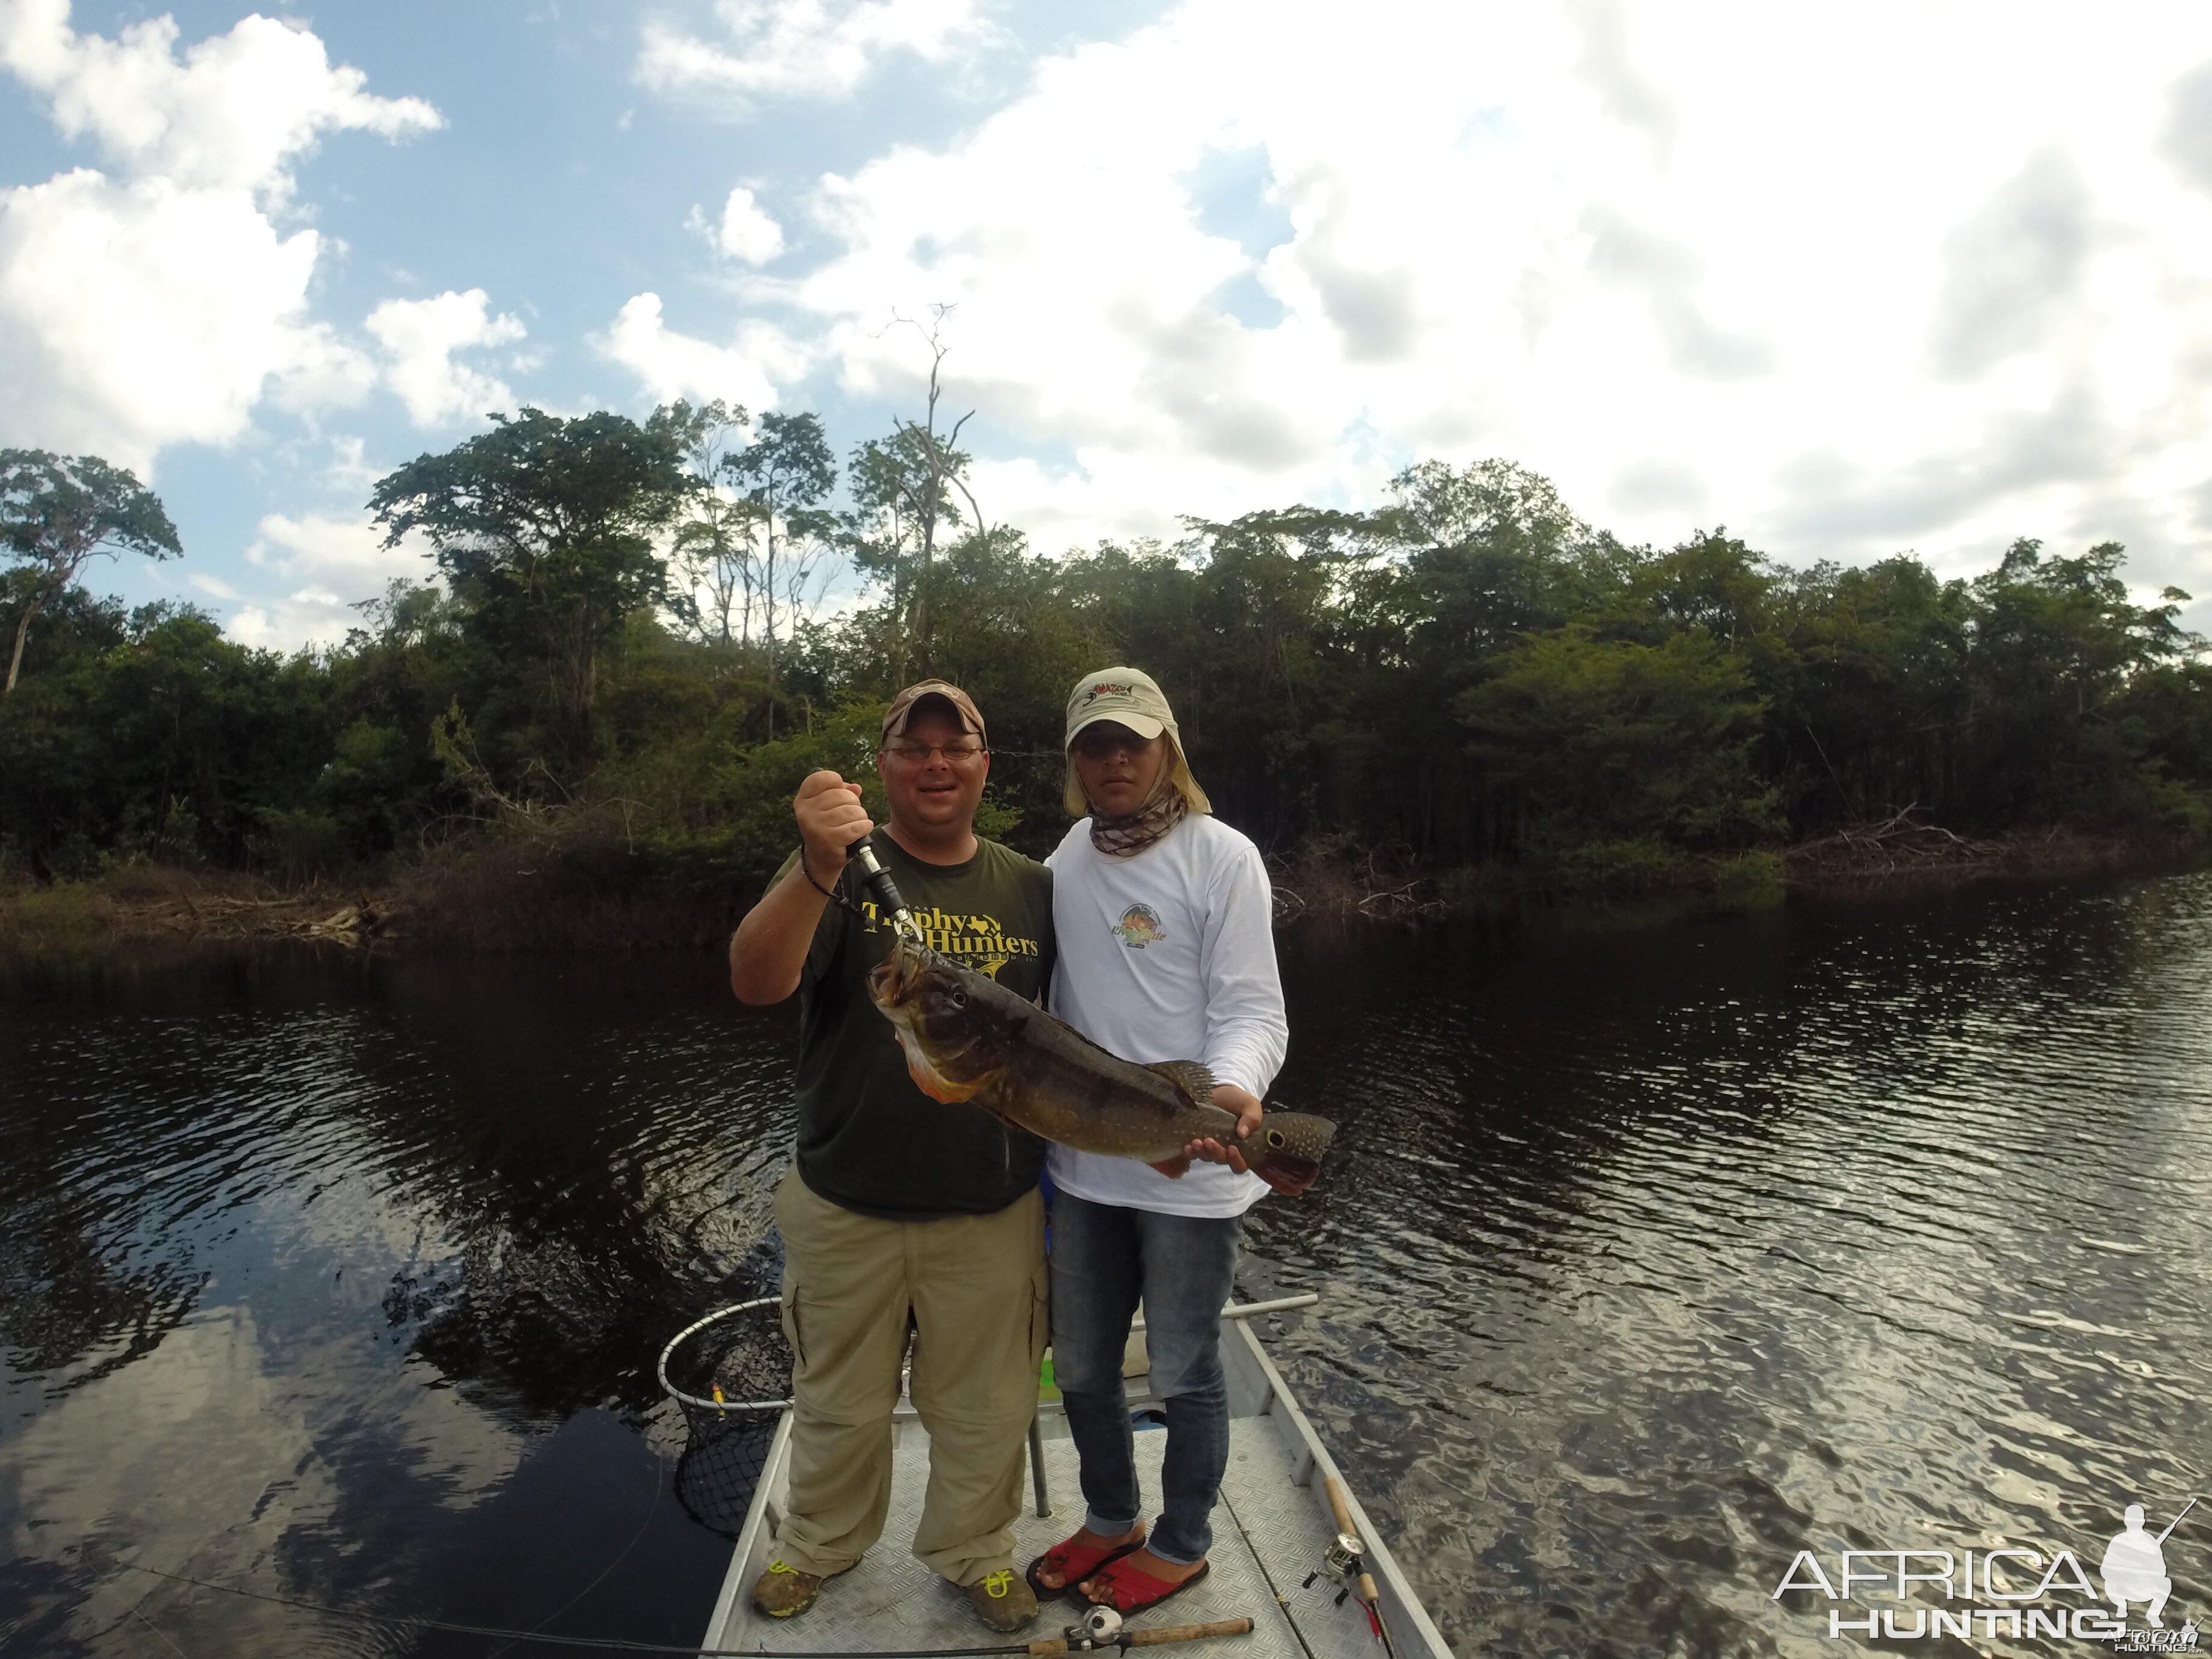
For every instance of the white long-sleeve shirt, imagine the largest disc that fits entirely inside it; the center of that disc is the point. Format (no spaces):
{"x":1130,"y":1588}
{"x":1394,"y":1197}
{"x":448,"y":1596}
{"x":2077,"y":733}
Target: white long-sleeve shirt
{"x":1168,"y":955}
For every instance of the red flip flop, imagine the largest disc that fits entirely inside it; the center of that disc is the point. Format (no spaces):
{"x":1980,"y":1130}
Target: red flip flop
{"x":1130,"y":1590}
{"x":1074,"y":1563}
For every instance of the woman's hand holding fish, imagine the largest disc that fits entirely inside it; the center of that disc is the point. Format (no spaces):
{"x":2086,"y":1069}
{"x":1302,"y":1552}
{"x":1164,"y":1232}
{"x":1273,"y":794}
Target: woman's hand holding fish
{"x":1248,"y":1107}
{"x":830,"y":819}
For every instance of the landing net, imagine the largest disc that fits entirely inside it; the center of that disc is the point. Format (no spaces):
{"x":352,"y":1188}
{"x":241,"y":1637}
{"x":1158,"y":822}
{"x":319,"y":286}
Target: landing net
{"x":730,"y":1373}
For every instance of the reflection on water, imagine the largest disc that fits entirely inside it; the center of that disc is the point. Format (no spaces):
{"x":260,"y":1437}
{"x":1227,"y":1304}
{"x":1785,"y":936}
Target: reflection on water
{"x":342,"y":1281}
{"x":1653,"y":1254}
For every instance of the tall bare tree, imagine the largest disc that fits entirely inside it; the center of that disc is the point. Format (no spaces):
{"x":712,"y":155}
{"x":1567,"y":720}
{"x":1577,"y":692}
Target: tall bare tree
{"x":906,"y":483}
{"x":785,"y":475}
{"x":714,"y":548}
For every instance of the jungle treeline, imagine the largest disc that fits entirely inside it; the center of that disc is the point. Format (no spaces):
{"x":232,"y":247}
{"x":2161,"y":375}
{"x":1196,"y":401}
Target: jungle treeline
{"x":617,"y":666}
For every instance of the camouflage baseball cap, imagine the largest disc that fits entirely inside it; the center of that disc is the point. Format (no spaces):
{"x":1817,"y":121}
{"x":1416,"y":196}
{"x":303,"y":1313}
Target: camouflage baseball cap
{"x":963,"y":706}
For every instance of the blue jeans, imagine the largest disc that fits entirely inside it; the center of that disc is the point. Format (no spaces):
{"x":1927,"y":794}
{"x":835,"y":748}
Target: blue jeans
{"x":1104,"y":1258}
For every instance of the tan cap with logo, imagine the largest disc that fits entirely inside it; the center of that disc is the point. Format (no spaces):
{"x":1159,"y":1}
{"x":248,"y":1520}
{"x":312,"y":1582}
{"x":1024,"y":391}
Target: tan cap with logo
{"x":1129,"y":696}
{"x":964,"y":707}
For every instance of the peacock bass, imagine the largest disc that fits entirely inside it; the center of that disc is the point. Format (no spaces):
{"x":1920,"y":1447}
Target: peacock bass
{"x":967,"y":1038}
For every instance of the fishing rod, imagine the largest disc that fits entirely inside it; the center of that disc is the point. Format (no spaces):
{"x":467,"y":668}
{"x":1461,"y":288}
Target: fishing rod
{"x":878,"y":881}
{"x":1347,"y":1554}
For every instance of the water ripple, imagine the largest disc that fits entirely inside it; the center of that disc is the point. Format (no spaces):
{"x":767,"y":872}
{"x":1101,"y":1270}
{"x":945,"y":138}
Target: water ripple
{"x":1651,"y":1255}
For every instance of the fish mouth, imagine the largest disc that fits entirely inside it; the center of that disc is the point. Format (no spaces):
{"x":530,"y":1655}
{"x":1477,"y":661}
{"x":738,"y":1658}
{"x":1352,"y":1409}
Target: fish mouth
{"x":894,"y":979}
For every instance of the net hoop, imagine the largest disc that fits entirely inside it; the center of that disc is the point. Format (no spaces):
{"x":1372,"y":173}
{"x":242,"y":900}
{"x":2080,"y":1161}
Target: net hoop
{"x":692,"y":1401}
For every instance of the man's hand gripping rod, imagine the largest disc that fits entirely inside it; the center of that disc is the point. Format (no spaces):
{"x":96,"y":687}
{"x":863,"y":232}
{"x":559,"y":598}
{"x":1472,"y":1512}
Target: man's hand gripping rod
{"x":878,"y":881}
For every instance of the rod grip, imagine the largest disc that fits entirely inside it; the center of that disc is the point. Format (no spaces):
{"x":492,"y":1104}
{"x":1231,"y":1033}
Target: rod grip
{"x":876,"y":877}
{"x":1153,"y":1638}
{"x":1340,"y":1505}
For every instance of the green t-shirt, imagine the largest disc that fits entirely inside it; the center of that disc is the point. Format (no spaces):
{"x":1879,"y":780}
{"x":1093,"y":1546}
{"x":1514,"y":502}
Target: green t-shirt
{"x":868,"y":1138}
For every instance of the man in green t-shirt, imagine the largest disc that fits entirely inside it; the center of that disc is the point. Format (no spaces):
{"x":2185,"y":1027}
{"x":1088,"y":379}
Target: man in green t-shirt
{"x":901,"y":1209}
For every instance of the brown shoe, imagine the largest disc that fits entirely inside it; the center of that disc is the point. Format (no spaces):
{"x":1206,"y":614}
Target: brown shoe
{"x":783,"y":1591}
{"x":1003,"y":1600}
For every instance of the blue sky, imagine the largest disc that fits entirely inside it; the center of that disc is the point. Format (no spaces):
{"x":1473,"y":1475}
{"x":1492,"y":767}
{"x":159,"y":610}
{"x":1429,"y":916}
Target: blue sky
{"x":1853,"y":283}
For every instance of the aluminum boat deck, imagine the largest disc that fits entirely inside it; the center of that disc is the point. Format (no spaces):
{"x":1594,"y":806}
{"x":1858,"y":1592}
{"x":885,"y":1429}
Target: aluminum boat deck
{"x":1271,"y":1531}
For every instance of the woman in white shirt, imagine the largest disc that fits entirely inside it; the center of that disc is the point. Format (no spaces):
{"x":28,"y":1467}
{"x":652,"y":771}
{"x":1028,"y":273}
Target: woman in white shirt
{"x":1165,"y":923}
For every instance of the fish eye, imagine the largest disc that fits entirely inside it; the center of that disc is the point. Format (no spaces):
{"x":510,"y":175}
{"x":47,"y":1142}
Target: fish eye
{"x":960,"y":999}
{"x":1274,"y":1137}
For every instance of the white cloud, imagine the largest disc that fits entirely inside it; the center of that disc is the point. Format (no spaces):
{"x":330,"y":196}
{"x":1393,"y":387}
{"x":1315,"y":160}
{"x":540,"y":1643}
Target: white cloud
{"x":137,"y":315}
{"x":420,"y":336}
{"x":213,"y":587}
{"x":337,"y":558}
{"x":158,"y":304}
{"x":2015,"y":270}
{"x":669,"y":365}
{"x":235,"y":114}
{"x":1756,"y":262}
{"x":349,"y":471}
{"x":746,"y":233}
{"x":343,"y":548}
{"x":771,"y":49}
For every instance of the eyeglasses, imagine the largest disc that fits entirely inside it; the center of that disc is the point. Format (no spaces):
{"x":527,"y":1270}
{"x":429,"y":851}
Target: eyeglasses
{"x":1096,"y":741}
{"x":918,"y":754}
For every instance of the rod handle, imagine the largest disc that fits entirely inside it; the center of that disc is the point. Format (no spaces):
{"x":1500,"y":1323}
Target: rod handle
{"x":1153,"y":1638}
{"x":1050,"y":1645}
{"x":878,"y":879}
{"x":1340,"y":1504}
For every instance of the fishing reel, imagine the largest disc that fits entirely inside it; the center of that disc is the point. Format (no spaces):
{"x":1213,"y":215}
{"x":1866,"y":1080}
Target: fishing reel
{"x":1345,"y":1557}
{"x":1101,"y":1628}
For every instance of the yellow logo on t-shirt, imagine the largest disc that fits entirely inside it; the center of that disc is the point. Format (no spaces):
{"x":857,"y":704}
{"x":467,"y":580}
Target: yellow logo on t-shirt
{"x":980,"y":942}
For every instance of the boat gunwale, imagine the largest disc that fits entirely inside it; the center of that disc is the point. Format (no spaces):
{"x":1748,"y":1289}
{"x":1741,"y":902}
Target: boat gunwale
{"x":1394,"y":1592}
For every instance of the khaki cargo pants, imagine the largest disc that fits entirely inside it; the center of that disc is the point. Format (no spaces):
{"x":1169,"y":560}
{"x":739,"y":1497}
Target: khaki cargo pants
{"x":977,"y":1287}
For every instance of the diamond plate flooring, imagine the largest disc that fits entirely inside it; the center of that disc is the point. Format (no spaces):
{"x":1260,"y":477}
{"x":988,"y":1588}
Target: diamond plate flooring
{"x":1268,"y":1534}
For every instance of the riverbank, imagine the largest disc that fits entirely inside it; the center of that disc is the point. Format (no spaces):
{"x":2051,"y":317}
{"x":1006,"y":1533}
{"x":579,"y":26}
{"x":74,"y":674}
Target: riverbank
{"x":504,"y":898}
{"x":1341,"y":882}
{"x":147,"y":903}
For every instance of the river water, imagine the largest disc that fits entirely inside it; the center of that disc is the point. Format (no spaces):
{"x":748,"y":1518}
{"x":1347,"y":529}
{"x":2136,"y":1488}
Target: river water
{"x":1656,"y":1251}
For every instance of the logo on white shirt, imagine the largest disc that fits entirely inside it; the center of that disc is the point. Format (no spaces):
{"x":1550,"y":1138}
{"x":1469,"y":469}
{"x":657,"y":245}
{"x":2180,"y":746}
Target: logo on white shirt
{"x":1140,"y":925}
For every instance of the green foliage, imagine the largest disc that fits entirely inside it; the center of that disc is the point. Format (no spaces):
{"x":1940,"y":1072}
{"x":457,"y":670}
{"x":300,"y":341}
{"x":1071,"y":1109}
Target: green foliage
{"x":1608,"y":740}
{"x":1468,"y":676}
{"x":158,"y":736}
{"x":545,"y":530}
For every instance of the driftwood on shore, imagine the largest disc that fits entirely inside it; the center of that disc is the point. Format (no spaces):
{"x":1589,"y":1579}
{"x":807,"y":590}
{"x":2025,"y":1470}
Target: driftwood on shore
{"x":1330,"y":880}
{"x":292,"y":915}
{"x":1904,"y":845}
{"x":152,"y":903}
{"x":1898,"y":843}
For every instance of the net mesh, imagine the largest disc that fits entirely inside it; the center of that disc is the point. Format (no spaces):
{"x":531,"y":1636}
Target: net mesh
{"x":731,"y":1374}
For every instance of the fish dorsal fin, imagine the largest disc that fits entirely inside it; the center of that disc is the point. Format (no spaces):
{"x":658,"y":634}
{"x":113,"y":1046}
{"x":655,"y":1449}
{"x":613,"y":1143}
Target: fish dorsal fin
{"x":1188,"y":1075}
